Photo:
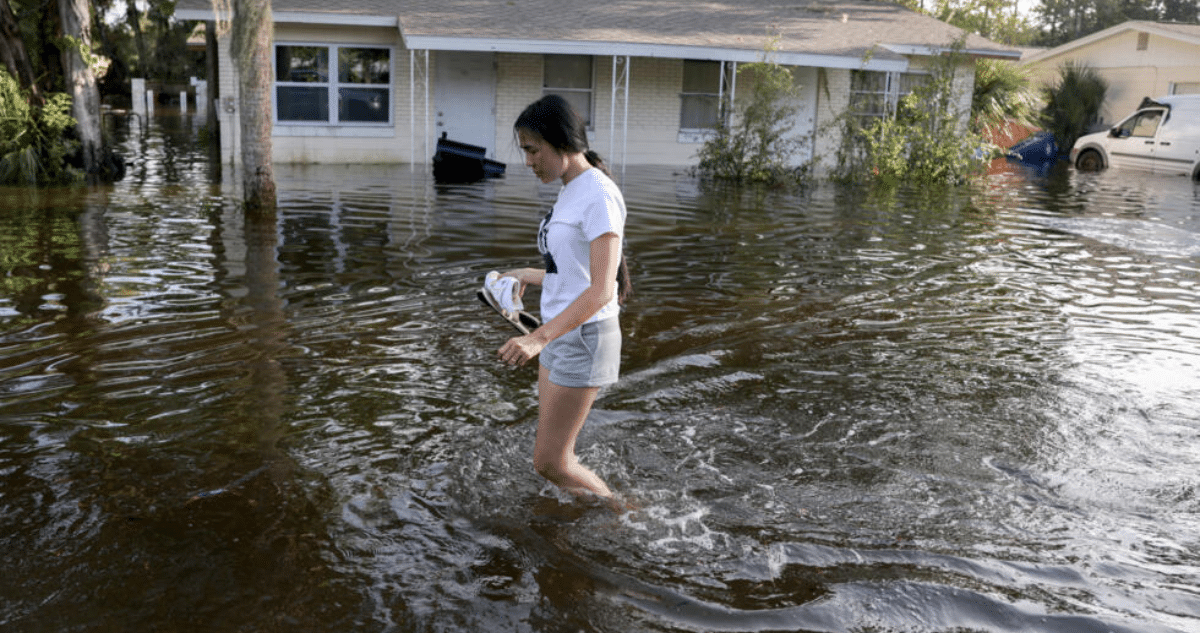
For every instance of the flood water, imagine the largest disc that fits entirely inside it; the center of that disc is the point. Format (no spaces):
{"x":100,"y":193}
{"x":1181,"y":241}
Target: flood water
{"x":841,"y":409}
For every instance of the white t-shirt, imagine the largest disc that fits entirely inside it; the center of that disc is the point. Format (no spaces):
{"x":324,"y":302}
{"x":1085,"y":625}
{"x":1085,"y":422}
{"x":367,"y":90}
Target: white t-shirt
{"x":587,"y":207}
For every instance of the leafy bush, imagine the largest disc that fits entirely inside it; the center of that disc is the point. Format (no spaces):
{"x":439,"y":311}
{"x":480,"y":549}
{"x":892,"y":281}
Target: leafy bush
{"x":758,"y":146}
{"x":33,"y":140}
{"x":923,"y":141}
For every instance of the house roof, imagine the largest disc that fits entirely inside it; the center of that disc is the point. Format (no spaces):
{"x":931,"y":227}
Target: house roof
{"x":1187,"y":33}
{"x":827,"y":33}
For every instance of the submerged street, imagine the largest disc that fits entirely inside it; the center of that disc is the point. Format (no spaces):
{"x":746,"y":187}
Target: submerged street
{"x":841,"y":409}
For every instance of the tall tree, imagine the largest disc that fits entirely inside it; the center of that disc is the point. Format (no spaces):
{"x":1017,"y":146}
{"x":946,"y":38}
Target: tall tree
{"x":1066,"y":20}
{"x":998,"y":20}
{"x":12,"y":51}
{"x":251,"y":48}
{"x":134,"y":18}
{"x":81,"y":80}
{"x":1187,"y":11}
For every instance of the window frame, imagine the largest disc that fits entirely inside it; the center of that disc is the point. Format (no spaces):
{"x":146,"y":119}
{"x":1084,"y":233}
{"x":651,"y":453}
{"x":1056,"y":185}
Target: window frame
{"x":1132,"y":125}
{"x":724,"y":95}
{"x":333,"y":86}
{"x":589,"y":116}
{"x":891,"y":94}
{"x":1188,"y":87}
{"x":725,"y":71}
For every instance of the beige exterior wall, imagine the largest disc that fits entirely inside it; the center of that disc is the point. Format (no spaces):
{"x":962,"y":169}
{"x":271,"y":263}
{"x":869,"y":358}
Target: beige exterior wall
{"x":227,"y":104}
{"x":1132,"y":74}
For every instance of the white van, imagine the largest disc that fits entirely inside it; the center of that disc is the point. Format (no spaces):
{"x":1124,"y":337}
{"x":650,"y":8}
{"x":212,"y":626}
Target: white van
{"x":1163,"y":136}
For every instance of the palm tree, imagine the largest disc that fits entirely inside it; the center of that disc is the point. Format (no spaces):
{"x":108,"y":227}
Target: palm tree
{"x":1073,"y":104}
{"x":1003,"y":97}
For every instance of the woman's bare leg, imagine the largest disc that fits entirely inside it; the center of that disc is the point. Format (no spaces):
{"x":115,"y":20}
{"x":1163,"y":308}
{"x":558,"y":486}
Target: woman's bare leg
{"x":561,"y":414}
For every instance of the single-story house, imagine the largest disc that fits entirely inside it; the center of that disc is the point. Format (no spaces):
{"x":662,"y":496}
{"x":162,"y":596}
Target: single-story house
{"x":1139,"y":60}
{"x":380,"y":80}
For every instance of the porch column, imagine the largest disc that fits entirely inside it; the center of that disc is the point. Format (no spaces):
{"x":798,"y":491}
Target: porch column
{"x":418,"y":78}
{"x":727,"y":91}
{"x":620,"y":84}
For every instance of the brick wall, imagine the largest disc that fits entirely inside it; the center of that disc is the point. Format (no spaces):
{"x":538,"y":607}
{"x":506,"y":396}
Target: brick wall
{"x":518,"y":84}
{"x":653,"y":109}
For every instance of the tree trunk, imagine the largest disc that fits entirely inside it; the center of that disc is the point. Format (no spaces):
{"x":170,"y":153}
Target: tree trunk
{"x":213,"y":77}
{"x":252,"y":38}
{"x":81,"y":81}
{"x":13,"y":54}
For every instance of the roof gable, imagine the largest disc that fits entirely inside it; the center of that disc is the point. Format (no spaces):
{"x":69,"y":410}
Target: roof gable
{"x":1186,"y":33}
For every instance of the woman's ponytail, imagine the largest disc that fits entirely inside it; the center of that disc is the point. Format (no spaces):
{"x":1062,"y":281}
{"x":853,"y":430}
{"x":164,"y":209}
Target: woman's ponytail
{"x":594,"y":160}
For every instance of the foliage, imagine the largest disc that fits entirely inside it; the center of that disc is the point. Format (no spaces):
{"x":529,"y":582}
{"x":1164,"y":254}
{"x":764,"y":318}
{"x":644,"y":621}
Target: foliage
{"x":1073,"y":103}
{"x":144,"y":42}
{"x":1003,"y":95}
{"x":1063,"y":21}
{"x":1051,"y":22}
{"x":33,"y":140}
{"x":923,"y":141}
{"x":758,"y":145}
{"x":997,"y":20}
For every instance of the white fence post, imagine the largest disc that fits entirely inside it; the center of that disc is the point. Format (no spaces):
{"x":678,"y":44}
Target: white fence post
{"x":138,"y":97}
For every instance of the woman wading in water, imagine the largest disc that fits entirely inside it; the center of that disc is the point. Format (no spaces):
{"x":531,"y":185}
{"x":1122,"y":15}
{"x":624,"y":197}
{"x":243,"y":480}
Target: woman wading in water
{"x":583,"y":285}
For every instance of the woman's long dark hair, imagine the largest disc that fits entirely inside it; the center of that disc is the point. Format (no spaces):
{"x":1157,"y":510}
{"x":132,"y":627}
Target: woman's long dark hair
{"x":553,"y":119}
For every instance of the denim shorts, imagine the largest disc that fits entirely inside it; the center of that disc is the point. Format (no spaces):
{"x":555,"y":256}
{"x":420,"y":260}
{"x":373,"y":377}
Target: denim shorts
{"x":588,"y":356}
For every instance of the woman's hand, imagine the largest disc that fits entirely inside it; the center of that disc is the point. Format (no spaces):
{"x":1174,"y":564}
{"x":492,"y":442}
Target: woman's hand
{"x":521,"y":349}
{"x":526,"y":276}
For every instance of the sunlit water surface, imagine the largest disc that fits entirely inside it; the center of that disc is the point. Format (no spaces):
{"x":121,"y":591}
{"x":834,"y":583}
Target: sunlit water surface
{"x":840,"y":410}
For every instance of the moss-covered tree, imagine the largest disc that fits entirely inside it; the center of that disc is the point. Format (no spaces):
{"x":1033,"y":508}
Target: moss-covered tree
{"x":251,"y":38}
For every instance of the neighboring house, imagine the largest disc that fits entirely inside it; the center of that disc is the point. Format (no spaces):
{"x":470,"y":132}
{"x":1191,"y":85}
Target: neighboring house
{"x":379,"y":80}
{"x":1139,"y":60}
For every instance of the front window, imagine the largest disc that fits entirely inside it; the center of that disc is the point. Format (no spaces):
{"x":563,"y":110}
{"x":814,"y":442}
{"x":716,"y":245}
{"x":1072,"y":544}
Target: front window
{"x":570,"y":77}
{"x":869,"y":95}
{"x":700,"y":107}
{"x":1185,"y":87}
{"x":878,"y":94}
{"x":358,"y":92}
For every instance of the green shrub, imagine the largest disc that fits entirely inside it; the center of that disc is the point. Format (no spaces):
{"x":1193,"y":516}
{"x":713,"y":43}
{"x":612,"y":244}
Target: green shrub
{"x":758,"y":146}
{"x":924,"y":141}
{"x":1073,"y":103}
{"x":33,"y":140}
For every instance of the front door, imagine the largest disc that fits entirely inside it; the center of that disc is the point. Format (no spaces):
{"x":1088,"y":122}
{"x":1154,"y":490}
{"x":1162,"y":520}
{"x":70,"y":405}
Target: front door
{"x":464,"y":97}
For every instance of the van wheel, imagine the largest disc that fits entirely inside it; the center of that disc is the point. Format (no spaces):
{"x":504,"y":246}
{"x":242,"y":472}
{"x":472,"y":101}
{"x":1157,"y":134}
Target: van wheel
{"x":1089,"y":161}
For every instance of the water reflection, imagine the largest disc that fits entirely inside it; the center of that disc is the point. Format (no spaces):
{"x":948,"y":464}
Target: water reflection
{"x":842,"y":410}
